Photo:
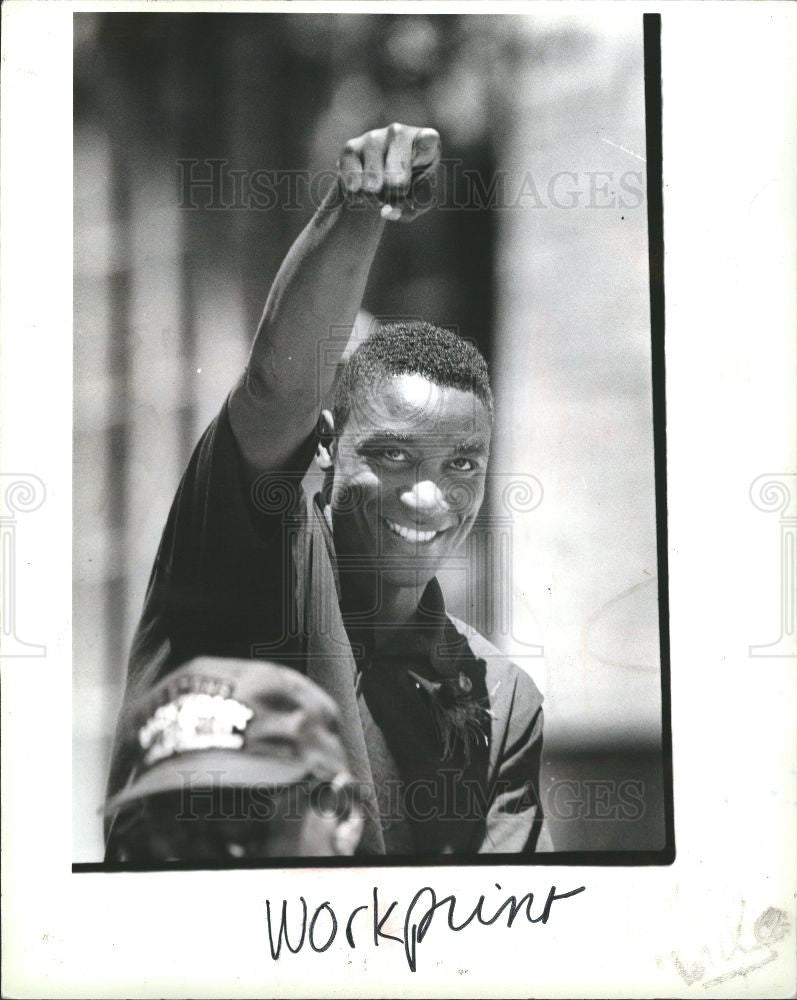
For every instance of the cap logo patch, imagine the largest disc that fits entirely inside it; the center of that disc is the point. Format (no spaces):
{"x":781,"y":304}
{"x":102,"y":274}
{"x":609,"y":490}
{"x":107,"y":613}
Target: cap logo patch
{"x":194,"y":721}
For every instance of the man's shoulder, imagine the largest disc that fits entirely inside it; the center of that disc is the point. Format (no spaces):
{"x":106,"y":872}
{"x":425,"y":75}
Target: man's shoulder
{"x":504,"y":678}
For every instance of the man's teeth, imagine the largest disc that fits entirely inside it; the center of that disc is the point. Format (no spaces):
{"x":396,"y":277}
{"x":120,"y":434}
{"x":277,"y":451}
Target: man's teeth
{"x":410,"y":533}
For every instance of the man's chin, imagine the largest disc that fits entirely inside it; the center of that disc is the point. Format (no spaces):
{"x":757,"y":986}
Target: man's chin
{"x":417,"y":576}
{"x":392,"y":561}
{"x":378,"y":571}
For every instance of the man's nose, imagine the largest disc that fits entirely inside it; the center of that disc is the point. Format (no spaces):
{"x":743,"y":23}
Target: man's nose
{"x":424,"y":497}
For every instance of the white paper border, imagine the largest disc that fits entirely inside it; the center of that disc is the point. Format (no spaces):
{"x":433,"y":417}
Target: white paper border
{"x":729,"y":168}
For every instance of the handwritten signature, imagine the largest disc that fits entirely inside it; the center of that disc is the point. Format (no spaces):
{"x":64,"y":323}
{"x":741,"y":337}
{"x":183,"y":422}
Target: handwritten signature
{"x":323,"y":925}
{"x":749,"y":951}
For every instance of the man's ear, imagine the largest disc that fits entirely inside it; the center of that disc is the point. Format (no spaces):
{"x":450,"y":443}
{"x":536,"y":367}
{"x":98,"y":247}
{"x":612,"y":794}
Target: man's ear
{"x":325,"y":452}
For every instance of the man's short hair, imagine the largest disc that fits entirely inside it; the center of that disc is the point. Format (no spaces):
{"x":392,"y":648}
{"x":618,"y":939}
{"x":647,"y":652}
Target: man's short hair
{"x":410,"y":348}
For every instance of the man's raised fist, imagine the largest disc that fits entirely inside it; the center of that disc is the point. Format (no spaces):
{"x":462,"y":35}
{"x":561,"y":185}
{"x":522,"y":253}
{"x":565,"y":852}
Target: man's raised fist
{"x":394,"y":165}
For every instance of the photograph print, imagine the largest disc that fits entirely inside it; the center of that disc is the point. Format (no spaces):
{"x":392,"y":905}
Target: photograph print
{"x":369,"y":520}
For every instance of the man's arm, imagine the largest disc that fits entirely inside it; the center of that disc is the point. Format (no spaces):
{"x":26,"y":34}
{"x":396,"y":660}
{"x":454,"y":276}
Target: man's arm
{"x":213,"y":590}
{"x":320,"y":285}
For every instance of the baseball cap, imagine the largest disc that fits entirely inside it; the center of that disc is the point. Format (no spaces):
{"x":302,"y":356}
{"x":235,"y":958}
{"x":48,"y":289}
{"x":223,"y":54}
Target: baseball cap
{"x":220,"y":723}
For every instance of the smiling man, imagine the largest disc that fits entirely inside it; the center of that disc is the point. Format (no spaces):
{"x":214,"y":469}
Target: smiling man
{"x":443,"y":733}
{"x":409,"y":443}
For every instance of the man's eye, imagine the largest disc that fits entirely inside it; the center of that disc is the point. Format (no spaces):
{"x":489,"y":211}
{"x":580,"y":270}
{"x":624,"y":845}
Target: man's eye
{"x":463,"y":465}
{"x":394,"y":454}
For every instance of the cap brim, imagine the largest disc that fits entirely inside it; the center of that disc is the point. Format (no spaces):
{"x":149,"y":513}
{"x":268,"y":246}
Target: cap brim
{"x":198,"y":770}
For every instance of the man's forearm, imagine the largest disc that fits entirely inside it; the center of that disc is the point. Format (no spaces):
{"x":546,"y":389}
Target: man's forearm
{"x":319,"y":286}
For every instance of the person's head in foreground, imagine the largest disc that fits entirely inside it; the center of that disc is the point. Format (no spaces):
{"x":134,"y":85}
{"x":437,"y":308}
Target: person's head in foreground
{"x":405,"y":451}
{"x":235,"y":759}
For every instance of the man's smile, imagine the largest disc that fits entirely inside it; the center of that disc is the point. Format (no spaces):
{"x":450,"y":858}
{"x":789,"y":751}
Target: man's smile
{"x":415,"y":535}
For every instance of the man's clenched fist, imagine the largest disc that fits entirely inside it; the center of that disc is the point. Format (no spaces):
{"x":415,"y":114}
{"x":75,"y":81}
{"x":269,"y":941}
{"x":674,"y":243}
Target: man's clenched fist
{"x":394,"y":165}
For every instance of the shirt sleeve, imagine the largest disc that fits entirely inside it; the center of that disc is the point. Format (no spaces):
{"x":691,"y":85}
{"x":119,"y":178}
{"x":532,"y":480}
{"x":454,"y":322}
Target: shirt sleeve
{"x":515,"y":822}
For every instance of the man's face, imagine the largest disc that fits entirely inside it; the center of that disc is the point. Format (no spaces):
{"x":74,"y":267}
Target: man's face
{"x":409,"y":477}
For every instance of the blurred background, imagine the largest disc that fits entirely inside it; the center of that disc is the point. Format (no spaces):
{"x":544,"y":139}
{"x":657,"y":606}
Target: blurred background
{"x":537,"y":251}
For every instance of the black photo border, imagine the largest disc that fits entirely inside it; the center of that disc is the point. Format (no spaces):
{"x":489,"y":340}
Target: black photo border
{"x":651,"y":28}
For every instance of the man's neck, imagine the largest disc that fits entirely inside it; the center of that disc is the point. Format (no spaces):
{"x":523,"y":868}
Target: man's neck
{"x":386,"y":622}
